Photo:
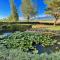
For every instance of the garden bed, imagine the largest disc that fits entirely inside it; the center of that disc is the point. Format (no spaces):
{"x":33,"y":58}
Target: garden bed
{"x":29,"y":45}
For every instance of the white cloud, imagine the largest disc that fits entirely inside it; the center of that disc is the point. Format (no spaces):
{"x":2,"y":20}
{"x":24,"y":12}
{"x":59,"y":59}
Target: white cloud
{"x":43,"y":15}
{"x":39,"y":16}
{"x":22,"y":18}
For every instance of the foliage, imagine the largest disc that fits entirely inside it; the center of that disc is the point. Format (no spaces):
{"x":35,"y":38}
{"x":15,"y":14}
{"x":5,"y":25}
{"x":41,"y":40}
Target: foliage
{"x":14,"y":14}
{"x":3,"y":52}
{"x":3,"y":20}
{"x":18,"y":54}
{"x":9,"y":19}
{"x":53,"y":8}
{"x":57,"y":28}
{"x":27,"y":9}
{"x":14,"y":47}
{"x":27,"y":40}
{"x":15,"y":27}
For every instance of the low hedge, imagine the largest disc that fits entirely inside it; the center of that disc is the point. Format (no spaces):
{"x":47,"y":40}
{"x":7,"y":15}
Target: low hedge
{"x":27,"y":40}
{"x":16,"y":27}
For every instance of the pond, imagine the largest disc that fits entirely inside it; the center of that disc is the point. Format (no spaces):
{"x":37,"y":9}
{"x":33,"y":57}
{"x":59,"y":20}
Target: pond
{"x":5,"y":34}
{"x":42,"y":49}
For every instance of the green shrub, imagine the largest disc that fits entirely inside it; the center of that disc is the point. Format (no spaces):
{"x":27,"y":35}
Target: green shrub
{"x":18,"y":54}
{"x":25,"y":40}
{"x":22,"y":27}
{"x":3,"y":52}
{"x":16,"y":27}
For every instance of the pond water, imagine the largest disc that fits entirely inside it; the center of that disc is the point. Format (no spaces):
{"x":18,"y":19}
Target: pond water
{"x":5,"y":34}
{"x":42,"y":49}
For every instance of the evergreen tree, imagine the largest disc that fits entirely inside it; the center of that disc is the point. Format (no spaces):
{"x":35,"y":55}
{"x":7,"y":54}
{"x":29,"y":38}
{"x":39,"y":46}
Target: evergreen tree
{"x":14,"y":13}
{"x":27,"y":9}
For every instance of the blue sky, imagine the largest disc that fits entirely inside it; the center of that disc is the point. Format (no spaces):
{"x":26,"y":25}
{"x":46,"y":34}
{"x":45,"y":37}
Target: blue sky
{"x":6,"y":11}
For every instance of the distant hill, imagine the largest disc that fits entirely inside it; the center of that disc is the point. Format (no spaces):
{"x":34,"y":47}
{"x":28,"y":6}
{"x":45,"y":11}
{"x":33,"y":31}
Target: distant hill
{"x":43,"y":18}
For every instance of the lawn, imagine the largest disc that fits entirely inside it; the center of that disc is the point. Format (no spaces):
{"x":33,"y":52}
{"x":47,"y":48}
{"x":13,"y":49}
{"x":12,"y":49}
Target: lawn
{"x":50,"y":27}
{"x":54,"y":28}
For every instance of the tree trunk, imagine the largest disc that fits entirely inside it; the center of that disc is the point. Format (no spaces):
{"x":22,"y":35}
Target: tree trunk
{"x":28,"y":18}
{"x":55,"y":22}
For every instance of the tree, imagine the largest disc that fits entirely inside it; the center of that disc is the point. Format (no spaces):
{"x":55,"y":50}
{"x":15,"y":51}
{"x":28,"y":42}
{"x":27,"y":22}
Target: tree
{"x":14,"y":13}
{"x":27,"y":9}
{"x":53,"y":9}
{"x":9,"y":18}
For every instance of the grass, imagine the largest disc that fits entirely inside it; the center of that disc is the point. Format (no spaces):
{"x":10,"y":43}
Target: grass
{"x":50,"y":27}
{"x":54,"y":28}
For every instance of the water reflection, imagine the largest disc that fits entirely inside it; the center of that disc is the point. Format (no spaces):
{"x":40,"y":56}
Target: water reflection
{"x":42,"y":49}
{"x":5,"y":34}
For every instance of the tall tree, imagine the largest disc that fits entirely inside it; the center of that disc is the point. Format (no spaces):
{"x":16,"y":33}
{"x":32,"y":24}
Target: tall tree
{"x":53,"y":9}
{"x":27,"y":9}
{"x":14,"y":13}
